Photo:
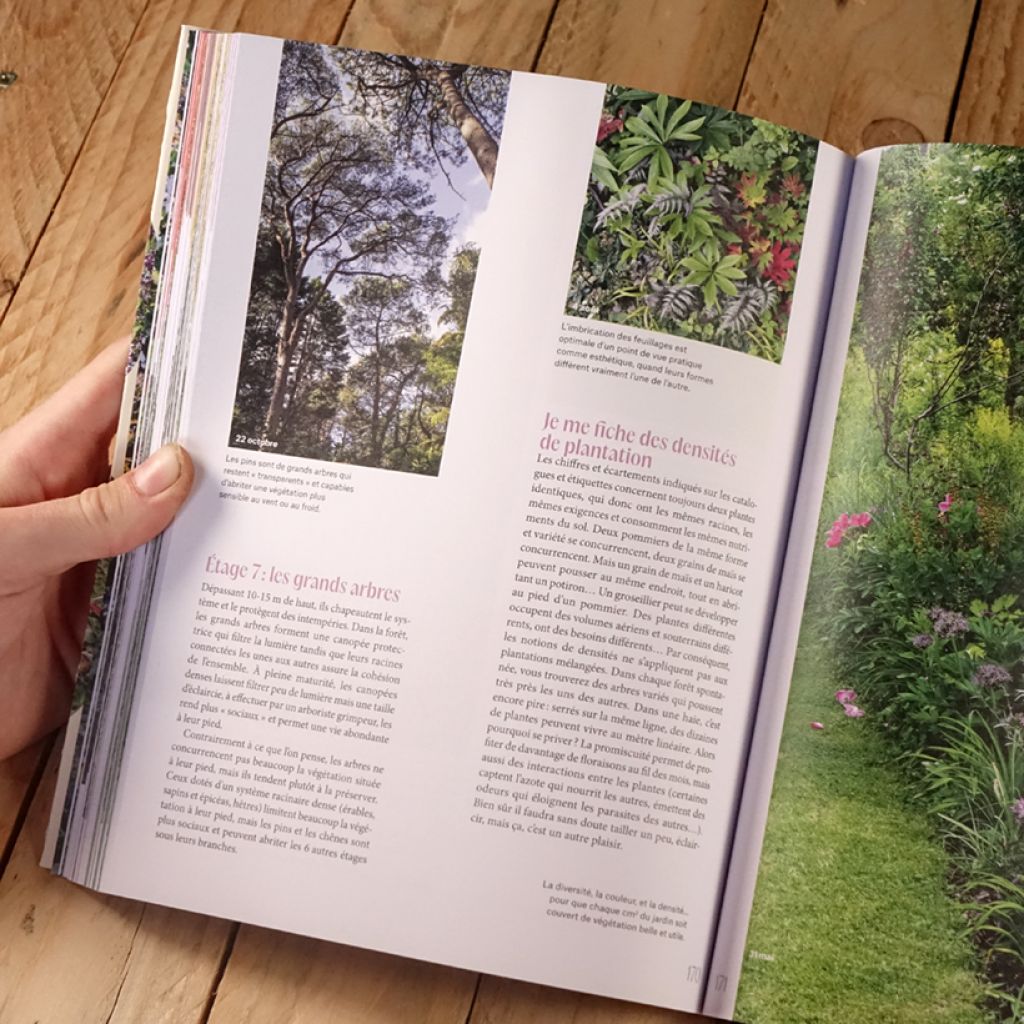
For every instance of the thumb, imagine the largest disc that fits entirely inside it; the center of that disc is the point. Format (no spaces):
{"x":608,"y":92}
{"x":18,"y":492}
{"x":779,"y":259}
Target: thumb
{"x":50,"y":537}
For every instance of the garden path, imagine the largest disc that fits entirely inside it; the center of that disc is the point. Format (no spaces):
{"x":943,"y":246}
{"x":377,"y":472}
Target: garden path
{"x":850,"y":863}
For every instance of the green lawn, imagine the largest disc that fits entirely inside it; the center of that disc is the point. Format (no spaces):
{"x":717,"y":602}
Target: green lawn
{"x":850,"y":900}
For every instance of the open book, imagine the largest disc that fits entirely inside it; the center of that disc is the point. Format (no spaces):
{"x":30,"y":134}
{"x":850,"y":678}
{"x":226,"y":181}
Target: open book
{"x":512,"y":400}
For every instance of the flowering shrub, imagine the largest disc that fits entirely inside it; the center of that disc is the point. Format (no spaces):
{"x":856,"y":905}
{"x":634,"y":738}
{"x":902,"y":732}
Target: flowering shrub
{"x":837,"y":531}
{"x":923,"y":617}
{"x":907,"y":583}
{"x":846,"y":699}
{"x":973,"y":783}
{"x":948,"y":623}
{"x":1017,"y":807}
{"x":693,"y":222}
{"x":991,"y":675}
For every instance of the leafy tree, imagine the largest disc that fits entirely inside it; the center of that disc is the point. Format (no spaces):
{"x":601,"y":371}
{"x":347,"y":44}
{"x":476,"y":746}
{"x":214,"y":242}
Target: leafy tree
{"x":392,"y":337}
{"x":437,"y":112}
{"x":941,"y":305}
{"x":336,"y":203}
{"x":353,"y":334}
{"x":393,"y":410}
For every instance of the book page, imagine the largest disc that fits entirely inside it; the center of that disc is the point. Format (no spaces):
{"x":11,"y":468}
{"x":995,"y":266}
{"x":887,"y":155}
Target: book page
{"x":889,"y":882}
{"x":454,"y":648}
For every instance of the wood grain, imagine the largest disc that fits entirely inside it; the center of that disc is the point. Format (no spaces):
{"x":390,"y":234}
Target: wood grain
{"x":692,"y":48}
{"x":16,"y":776}
{"x":71,"y":955}
{"x":504,"y":35}
{"x":500,"y":1001}
{"x":172,"y":968}
{"x":991,"y":107}
{"x":65,"y":56}
{"x":858,"y":73}
{"x":273,"y":978}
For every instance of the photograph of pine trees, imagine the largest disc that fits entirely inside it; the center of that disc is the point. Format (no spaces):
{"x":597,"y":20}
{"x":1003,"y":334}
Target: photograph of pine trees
{"x":693,"y":222}
{"x":378,"y":177}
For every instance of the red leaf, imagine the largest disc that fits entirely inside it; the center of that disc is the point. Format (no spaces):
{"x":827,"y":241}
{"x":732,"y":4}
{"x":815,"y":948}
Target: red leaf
{"x":782,"y":264}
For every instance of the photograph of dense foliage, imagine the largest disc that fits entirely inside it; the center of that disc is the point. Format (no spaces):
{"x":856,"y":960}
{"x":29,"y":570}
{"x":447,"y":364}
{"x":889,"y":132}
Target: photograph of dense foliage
{"x":380,"y":168}
{"x":693,"y":222}
{"x":892,"y":884}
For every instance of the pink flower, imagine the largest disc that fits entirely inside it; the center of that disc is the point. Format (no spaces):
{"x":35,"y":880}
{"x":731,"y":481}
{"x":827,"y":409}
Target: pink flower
{"x":846,"y":696}
{"x":845,"y":522}
{"x":852,"y":711}
{"x":1018,"y":809}
{"x":945,"y":505}
{"x":817,"y":725}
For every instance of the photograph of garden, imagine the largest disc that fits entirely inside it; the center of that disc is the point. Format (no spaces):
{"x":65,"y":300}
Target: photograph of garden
{"x":892,"y":881}
{"x":693,"y":222}
{"x":379,"y":172}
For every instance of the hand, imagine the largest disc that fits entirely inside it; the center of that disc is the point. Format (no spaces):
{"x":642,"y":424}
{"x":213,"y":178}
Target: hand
{"x":54,"y":524}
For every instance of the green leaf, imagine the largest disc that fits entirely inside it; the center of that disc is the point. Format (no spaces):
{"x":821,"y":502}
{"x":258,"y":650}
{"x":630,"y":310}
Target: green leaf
{"x":661,"y":107}
{"x":640,"y":127}
{"x":678,"y":114}
{"x":687,"y":132}
{"x":648,"y":115}
{"x":629,"y":95}
{"x":635,"y":156}
{"x":603,"y":170}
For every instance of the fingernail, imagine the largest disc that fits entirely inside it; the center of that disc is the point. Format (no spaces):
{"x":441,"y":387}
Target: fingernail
{"x":158,"y":472}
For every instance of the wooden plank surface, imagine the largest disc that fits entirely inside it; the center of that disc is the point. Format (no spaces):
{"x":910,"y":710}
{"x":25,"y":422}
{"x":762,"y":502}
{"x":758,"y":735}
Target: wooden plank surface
{"x":65,"y":56}
{"x":501,"y":1001}
{"x":692,"y":48}
{"x":991,"y":102}
{"x":274,"y":978}
{"x":840,"y":69}
{"x":859,"y":73}
{"x":504,"y":35}
{"x":17,"y":776}
{"x":70,"y":955}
